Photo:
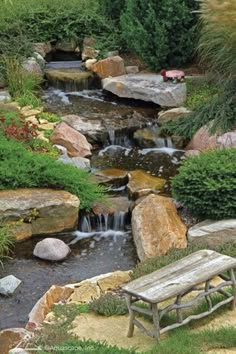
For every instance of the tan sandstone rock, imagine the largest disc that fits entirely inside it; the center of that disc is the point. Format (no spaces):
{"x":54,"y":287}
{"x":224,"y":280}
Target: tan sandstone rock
{"x":86,"y":292}
{"x":157,"y":227}
{"x":43,"y":306}
{"x":114,"y":280}
{"x":112,"y":66}
{"x":75,"y":142}
{"x":10,"y":337}
{"x":38,"y":211}
{"x":202,"y":140}
{"x":141,"y":183}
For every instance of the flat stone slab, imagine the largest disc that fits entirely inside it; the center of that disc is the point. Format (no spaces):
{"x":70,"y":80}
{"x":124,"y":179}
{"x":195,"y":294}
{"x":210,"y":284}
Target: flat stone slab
{"x":9,"y":284}
{"x":213,"y":233}
{"x":147,"y":87}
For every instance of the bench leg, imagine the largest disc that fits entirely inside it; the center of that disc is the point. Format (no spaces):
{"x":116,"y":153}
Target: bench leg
{"x":156,"y":321}
{"x":131,"y":316}
{"x":232,"y":277}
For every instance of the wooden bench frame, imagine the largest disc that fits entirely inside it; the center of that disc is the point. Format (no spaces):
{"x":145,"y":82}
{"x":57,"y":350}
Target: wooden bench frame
{"x":204,"y":288}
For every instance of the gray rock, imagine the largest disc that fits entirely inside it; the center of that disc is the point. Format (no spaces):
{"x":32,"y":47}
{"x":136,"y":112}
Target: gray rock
{"x":79,"y":162}
{"x":66,"y":45}
{"x":9,"y":284}
{"x":84,"y":126}
{"x":5,"y":96}
{"x":112,"y":53}
{"x":147,"y":87}
{"x":51,"y":249}
{"x":32,"y":66}
{"x":213,"y":233}
{"x":132,"y":69}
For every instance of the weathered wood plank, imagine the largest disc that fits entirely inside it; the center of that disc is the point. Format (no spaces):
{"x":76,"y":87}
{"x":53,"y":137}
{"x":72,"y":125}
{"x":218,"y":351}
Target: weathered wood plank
{"x":180,"y":276}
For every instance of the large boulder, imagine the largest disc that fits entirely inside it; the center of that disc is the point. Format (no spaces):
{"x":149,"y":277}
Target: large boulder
{"x":75,"y":142}
{"x":147,"y":87}
{"x":203,"y":140}
{"x":51,"y":249}
{"x":39,"y":211}
{"x":213,"y":233}
{"x":10,"y":337}
{"x":157,"y":227}
{"x":9,"y":284}
{"x":142,"y":183}
{"x":112,"y":66}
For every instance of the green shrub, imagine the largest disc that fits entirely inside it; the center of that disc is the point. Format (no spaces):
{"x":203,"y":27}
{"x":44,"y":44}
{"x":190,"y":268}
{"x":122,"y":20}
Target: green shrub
{"x":6,"y":240}
{"x":109,"y":305}
{"x":20,"y":168}
{"x":150,"y":265}
{"x":51,"y":20}
{"x":160,"y":31}
{"x":206,"y":184}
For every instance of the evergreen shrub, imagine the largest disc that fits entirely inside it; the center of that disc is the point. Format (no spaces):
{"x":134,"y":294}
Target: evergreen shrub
{"x":20,"y":168}
{"x":206,"y":184}
{"x":162,"y":32}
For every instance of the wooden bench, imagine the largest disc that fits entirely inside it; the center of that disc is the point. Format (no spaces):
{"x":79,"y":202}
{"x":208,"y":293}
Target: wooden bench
{"x":192,"y":273}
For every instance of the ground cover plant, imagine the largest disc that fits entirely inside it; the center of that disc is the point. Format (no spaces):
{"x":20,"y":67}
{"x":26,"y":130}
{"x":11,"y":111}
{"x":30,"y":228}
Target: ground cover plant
{"x":109,"y":305}
{"x":20,"y":168}
{"x":206,"y":184}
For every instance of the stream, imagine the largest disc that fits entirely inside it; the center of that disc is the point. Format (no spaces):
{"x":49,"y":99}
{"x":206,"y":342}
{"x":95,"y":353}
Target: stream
{"x":102,"y":244}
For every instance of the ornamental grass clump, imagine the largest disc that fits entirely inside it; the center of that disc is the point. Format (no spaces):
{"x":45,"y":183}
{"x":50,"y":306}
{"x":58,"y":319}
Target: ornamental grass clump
{"x":109,"y":305}
{"x":206,"y":184}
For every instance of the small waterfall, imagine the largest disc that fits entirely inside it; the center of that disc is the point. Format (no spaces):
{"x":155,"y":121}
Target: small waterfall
{"x":111,"y":136}
{"x":103,"y":222}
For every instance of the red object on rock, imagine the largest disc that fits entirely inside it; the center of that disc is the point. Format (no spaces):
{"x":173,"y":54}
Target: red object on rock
{"x":172,"y":75}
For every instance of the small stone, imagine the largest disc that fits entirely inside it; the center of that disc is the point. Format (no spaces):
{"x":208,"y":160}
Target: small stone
{"x":51,"y":249}
{"x":172,"y":115}
{"x":28,"y":111}
{"x":9,"y":284}
{"x":79,"y":162}
{"x":132,"y":69}
{"x":5,"y":96}
{"x":89,"y":63}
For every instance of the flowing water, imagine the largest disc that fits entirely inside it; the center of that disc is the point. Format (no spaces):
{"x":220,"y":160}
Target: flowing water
{"x":102,"y":243}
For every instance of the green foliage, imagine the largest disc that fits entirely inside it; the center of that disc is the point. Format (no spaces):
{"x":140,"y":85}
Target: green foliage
{"x":6,"y":240}
{"x":20,"y":168}
{"x":109,"y":305}
{"x":42,"y":146}
{"x":152,"y":264}
{"x":160,"y":31}
{"x":199,"y":91}
{"x":206,"y":184}
{"x":219,"y":112}
{"x":50,"y":117}
{"x":47,"y":133}
{"x":112,"y":8}
{"x":51,"y":20}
